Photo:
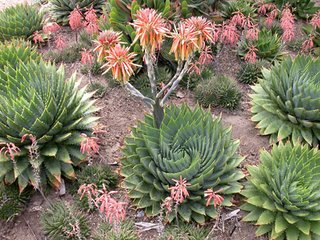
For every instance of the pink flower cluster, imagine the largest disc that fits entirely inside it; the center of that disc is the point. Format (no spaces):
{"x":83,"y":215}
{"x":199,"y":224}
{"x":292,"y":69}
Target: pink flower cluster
{"x":270,"y":11}
{"x":89,"y":20}
{"x":10,"y":149}
{"x":179,"y":193}
{"x":287,"y":24}
{"x":113,"y":210}
{"x":308,"y":44}
{"x":87,"y":57}
{"x":89,"y":145}
{"x":251,"y":55}
{"x":217,"y":199}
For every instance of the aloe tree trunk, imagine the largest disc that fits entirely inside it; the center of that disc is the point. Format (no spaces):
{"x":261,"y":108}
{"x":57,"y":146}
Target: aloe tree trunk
{"x":158,"y":113}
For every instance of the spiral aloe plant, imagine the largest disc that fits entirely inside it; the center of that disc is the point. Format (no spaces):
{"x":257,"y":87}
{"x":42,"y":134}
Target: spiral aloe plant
{"x":282,"y":194}
{"x":17,"y":50}
{"x":20,"y":21}
{"x":35,"y":99}
{"x":190,"y":144}
{"x":286,"y":101}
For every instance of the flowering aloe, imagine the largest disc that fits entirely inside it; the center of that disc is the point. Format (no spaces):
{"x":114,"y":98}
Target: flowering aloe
{"x":266,"y":7}
{"x":10,"y":149}
{"x":90,"y":15}
{"x":167,"y":204}
{"x":89,"y":145}
{"x":204,"y":30}
{"x":217,"y":199}
{"x":106,"y":40}
{"x":188,"y":37}
{"x":60,"y":42}
{"x":120,"y":61}
{"x":51,"y":27}
{"x":252,"y":33}
{"x":229,"y":34}
{"x":238,"y":19}
{"x":150,"y":29}
{"x":37,"y":38}
{"x":114,"y":211}
{"x":179,"y":192}
{"x":76,"y":19}
{"x":86,"y":57}
{"x":308,"y":44}
{"x":88,"y":190}
{"x":315,"y":20}
{"x":287,"y":24}
{"x":185,"y":42}
{"x":271,"y":17}
{"x":251,"y":55}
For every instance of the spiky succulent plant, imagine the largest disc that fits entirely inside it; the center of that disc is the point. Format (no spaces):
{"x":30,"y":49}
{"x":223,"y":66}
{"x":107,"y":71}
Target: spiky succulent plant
{"x":12,"y":203}
{"x":61,"y":221}
{"x":17,"y":50}
{"x":61,"y":9}
{"x":286,"y":102}
{"x":20,"y":21}
{"x":268,"y":46}
{"x":249,"y":73}
{"x":282,"y":194}
{"x":36,"y":99}
{"x":190,"y":144}
{"x":218,"y":91}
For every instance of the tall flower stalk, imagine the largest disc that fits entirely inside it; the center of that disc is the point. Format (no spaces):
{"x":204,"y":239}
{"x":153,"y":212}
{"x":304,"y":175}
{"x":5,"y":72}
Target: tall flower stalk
{"x":189,"y":36}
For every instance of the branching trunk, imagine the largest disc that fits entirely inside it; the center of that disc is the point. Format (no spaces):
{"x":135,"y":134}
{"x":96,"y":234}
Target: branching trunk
{"x":158,"y":113}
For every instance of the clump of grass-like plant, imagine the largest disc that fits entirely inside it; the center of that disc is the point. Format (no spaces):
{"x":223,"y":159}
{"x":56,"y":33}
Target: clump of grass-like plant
{"x":64,"y":222}
{"x":218,"y":91}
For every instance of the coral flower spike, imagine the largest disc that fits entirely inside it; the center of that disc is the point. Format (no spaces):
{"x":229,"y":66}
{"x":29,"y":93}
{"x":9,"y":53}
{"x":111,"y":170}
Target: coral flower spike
{"x":217,"y":199}
{"x":150,"y":29}
{"x":184,"y":42}
{"x":179,"y":192}
{"x":120,"y":61}
{"x":106,"y":40}
{"x":204,"y":29}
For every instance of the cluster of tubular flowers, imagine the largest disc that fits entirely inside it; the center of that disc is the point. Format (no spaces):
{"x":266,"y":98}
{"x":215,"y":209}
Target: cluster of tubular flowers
{"x":188,"y":37}
{"x":185,"y":41}
{"x":191,"y":35}
{"x":287,"y":24}
{"x":121,"y":63}
{"x":150,"y":28}
{"x":107,"y":39}
{"x":205,"y":30}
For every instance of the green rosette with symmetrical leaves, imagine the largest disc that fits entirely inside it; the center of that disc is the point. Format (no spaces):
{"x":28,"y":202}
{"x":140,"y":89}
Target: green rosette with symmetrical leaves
{"x":36,"y":99}
{"x":189,"y":144}
{"x":283,"y":193}
{"x":20,"y":21}
{"x":286,"y":102}
{"x":15,"y":51}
